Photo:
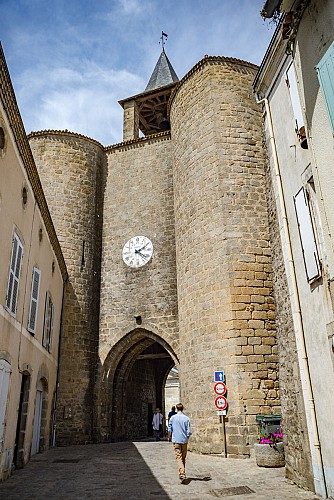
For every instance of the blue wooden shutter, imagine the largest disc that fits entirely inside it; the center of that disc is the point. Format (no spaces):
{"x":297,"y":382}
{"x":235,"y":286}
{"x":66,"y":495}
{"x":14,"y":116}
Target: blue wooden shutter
{"x":325,"y":70}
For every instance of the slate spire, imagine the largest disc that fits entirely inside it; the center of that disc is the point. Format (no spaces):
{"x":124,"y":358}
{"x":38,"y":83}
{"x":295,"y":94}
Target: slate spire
{"x":163,"y":73}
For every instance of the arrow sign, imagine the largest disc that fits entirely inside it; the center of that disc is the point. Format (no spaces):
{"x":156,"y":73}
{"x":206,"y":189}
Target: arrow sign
{"x":219,"y":376}
{"x":220,"y":388}
{"x":221,"y":403}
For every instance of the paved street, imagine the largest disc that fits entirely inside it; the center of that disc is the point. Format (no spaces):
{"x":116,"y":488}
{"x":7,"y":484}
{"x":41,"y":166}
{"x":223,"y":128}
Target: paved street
{"x":143,"y":470}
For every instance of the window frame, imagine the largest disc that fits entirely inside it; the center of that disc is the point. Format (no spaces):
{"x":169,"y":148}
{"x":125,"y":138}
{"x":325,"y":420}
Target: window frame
{"x":48,"y":322}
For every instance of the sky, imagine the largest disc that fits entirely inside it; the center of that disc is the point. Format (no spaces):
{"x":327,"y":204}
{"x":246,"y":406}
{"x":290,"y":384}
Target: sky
{"x":71,"y":61}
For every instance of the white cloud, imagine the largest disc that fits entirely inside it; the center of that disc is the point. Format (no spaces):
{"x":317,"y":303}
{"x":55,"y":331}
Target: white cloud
{"x":130,"y":6}
{"x":81,"y":61}
{"x":83,"y":101}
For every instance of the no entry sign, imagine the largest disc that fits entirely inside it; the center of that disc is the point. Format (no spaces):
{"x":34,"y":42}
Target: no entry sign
{"x":221,"y":403}
{"x":220,"y":388}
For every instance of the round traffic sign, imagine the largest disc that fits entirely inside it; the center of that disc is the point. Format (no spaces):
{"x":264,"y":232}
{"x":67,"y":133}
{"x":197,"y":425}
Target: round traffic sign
{"x":220,"y":388}
{"x":221,"y":403}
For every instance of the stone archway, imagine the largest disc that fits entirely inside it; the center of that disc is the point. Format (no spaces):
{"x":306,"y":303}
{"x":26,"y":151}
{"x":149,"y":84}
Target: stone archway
{"x":132,"y":385}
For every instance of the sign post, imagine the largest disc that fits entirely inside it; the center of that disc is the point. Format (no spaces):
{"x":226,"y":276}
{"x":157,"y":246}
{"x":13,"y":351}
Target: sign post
{"x":221,"y":402}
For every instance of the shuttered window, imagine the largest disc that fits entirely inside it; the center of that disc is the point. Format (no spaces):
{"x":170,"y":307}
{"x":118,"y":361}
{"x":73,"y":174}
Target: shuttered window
{"x":14,"y":275}
{"x":48,"y":323}
{"x":5,"y":371}
{"x":34,"y":294}
{"x":307,"y":238}
{"x":325,"y":71}
{"x":294,"y":95}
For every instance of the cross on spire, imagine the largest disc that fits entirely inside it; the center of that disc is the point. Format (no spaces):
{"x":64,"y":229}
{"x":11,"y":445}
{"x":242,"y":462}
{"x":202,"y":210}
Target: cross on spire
{"x":162,"y":38}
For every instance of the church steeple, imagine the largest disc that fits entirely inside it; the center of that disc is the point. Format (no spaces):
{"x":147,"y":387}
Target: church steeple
{"x":148,"y":111}
{"x":163,"y":73}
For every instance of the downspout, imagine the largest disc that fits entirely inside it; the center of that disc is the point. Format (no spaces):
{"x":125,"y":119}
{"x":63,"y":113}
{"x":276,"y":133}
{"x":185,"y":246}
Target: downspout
{"x":54,"y":417}
{"x":317,"y":463}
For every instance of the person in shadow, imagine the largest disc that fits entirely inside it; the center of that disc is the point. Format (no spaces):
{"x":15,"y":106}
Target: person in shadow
{"x":157,"y":424}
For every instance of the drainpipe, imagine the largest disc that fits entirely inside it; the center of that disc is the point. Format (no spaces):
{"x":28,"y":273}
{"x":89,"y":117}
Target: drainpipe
{"x":317,"y":463}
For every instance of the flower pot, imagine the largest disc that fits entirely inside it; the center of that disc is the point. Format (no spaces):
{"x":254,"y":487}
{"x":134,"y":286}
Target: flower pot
{"x":267,"y":455}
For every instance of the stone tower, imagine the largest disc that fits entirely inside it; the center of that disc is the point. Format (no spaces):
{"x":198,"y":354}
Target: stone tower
{"x":225,"y":304}
{"x":72,"y":170}
{"x":194,"y":185}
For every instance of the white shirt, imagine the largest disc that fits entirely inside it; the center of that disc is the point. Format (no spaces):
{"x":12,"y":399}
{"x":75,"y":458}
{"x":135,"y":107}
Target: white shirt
{"x":157,"y":421}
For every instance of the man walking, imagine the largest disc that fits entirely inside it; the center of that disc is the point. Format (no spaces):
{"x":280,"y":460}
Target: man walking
{"x":178,"y":433}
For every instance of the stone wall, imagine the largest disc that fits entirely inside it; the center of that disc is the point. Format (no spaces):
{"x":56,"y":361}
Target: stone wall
{"x":72,"y":170}
{"x":139,"y":201}
{"x":297,"y":447}
{"x":138,"y":306}
{"x":224,"y":274}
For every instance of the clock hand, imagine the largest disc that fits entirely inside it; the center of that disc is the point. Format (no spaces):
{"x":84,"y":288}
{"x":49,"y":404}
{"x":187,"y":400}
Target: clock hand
{"x":142,"y":248}
{"x":142,"y":255}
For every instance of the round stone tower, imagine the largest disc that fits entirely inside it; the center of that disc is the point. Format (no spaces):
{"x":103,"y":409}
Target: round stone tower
{"x":225,"y":301}
{"x":72,"y":170}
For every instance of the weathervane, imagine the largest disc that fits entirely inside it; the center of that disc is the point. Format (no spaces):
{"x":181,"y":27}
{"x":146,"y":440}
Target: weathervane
{"x":162,"y":38}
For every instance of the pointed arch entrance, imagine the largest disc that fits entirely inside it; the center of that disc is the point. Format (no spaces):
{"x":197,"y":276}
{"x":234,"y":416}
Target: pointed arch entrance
{"x":132,"y":384}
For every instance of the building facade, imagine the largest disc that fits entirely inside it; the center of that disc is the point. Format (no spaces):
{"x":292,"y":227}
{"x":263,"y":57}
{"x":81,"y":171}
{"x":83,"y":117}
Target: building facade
{"x":295,"y":88}
{"x":32,"y":278}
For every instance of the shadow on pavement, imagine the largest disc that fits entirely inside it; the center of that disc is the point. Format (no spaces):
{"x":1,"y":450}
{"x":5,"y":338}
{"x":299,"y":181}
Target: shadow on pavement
{"x":103,"y":471}
{"x":205,"y":478}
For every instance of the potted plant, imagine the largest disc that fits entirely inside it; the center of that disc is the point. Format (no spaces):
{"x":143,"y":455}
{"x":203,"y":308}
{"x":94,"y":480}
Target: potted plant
{"x":269,"y":451}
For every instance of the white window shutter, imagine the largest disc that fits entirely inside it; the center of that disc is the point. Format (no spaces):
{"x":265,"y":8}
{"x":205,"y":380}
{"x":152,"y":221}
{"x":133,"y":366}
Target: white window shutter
{"x":295,"y":100}
{"x":35,"y":283}
{"x":5,"y":371}
{"x":307,"y":238}
{"x":14,"y":274}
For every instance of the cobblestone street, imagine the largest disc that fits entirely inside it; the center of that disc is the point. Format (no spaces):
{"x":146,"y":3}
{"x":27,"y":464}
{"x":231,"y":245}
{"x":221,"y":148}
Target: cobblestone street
{"x":143,"y":470}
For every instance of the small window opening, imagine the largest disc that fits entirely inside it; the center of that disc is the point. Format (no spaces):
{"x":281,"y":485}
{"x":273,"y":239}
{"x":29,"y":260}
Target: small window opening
{"x":83,"y":254}
{"x":138,"y":320}
{"x":24,"y":195}
{"x":40,"y":235}
{"x":2,"y":138}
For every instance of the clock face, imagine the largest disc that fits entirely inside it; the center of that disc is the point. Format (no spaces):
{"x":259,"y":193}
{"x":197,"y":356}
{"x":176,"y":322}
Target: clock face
{"x":137,"y":251}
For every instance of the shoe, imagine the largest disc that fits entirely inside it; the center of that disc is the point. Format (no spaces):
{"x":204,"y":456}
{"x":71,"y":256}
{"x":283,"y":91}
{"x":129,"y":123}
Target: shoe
{"x":184,"y":480}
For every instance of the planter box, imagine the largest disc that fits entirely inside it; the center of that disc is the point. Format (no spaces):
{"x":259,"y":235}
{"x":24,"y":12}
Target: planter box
{"x":269,"y":456}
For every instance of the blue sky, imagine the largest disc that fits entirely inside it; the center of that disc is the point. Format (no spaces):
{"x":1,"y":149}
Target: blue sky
{"x":71,"y":61}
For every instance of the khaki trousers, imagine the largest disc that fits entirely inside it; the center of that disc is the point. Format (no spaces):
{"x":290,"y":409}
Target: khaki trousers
{"x":180,"y":455}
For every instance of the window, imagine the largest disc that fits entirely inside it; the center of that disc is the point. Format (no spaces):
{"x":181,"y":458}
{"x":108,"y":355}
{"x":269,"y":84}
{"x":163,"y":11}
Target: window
{"x":14,"y":275}
{"x":325,"y":71}
{"x":295,"y":101}
{"x":296,"y":106}
{"x":35,"y":282}
{"x":48,"y":323}
{"x":307,"y":238}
